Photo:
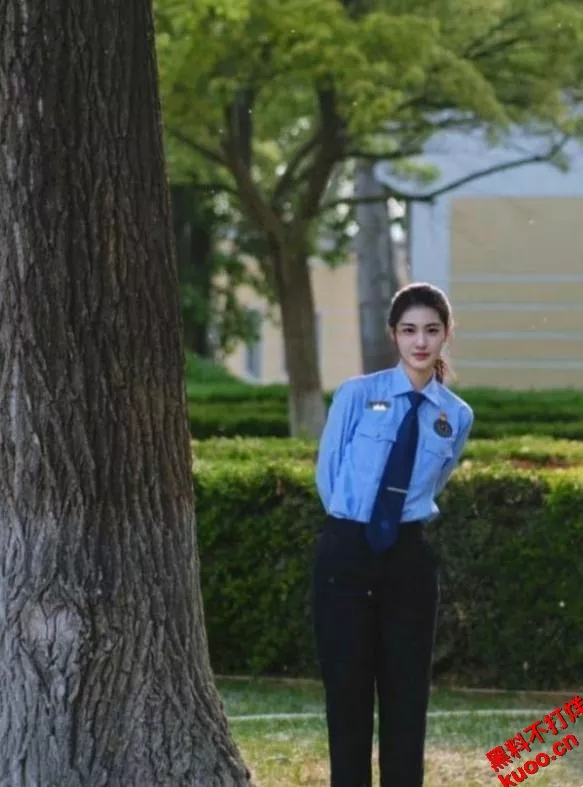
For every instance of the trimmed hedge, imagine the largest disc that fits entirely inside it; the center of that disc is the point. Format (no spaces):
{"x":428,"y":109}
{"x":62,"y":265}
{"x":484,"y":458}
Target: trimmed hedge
{"x":510,"y":543}
{"x":235,"y":409}
{"x":525,"y":451}
{"x":251,"y":419}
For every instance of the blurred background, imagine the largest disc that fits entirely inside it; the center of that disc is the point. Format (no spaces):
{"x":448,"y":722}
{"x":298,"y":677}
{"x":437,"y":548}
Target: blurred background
{"x":321,"y":154}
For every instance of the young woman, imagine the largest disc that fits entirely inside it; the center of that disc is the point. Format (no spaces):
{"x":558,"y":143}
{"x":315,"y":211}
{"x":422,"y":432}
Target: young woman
{"x":391,"y":441}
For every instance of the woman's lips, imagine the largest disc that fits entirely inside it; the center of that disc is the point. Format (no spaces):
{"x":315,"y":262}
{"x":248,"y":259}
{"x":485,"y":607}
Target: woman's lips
{"x":421,"y":356}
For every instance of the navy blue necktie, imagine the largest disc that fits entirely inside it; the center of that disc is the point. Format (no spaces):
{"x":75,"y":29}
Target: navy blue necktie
{"x":383,"y":528}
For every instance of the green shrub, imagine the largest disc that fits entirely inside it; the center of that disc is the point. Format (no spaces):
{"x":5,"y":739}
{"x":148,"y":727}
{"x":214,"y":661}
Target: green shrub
{"x":238,"y":392}
{"x":254,"y":449}
{"x":510,"y":542}
{"x":548,"y":406}
{"x":252,"y":419}
{"x":213,"y":383}
{"x":523,"y":451}
{"x":263,"y":419}
{"x":511,"y":602}
{"x":206,"y":374}
{"x":239,"y":409}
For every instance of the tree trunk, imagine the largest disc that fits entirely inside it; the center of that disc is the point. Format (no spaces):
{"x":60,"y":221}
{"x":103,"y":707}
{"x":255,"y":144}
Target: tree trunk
{"x":378,"y":276}
{"x":294,"y":290}
{"x":105,"y":671}
{"x":193,"y":223}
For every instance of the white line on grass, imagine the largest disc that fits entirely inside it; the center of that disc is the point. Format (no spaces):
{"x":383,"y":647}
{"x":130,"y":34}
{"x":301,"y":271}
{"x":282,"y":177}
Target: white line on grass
{"x":431,"y":714}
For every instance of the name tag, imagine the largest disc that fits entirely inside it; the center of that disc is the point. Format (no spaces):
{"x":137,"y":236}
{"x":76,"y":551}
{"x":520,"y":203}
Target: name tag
{"x":380,"y":406}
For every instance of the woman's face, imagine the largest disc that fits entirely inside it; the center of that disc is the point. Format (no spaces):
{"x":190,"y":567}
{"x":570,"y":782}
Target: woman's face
{"x":420,"y":336}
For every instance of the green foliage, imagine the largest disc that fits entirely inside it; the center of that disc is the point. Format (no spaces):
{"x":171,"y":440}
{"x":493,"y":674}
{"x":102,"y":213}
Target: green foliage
{"x":510,"y":604}
{"x":236,"y":392}
{"x":393,"y":66}
{"x":255,"y":549}
{"x":247,"y":411}
{"x":509,"y":543}
{"x":257,"y":418}
{"x":526,"y":450}
{"x":272,"y":102}
{"x":210,"y":281}
{"x":254,"y":449}
{"x":204,"y":375}
{"x":522,"y":451}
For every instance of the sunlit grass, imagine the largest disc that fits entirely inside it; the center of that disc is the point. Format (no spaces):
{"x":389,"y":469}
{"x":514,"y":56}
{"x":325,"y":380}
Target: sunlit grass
{"x":293,"y":752}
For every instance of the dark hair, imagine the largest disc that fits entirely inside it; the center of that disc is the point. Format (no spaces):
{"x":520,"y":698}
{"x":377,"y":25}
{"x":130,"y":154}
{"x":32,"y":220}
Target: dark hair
{"x":424,"y":294}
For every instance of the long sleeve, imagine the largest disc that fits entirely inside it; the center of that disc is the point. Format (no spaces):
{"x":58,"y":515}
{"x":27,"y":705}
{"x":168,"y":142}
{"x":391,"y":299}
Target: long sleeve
{"x":339,"y":428}
{"x":467,"y":418}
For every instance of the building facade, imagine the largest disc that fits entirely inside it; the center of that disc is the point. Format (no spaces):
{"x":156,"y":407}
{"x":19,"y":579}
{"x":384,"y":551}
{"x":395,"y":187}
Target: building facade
{"x":507,"y":249}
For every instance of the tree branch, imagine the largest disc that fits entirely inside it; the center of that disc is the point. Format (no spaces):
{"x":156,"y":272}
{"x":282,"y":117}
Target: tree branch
{"x":212,"y":155}
{"x":452,"y":185}
{"x":237,"y":158}
{"x":500,"y":46}
{"x":216,"y":187}
{"x":368,"y":155}
{"x":295,"y":162}
{"x":239,"y":118}
{"x":329,"y":153}
{"x":476,"y":47}
{"x":536,"y":158}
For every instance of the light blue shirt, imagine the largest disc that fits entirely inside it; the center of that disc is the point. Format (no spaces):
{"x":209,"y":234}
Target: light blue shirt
{"x":362,"y":425}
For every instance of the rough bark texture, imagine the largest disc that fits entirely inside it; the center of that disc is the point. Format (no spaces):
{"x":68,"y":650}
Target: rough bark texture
{"x":378,"y":278}
{"x":306,"y":403}
{"x":104,"y":673}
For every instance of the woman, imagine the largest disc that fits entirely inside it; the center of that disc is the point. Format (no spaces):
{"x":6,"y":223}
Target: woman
{"x":391,"y":441}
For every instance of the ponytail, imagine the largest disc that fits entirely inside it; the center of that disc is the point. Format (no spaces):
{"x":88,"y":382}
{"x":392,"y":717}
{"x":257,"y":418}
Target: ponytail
{"x":443,"y":370}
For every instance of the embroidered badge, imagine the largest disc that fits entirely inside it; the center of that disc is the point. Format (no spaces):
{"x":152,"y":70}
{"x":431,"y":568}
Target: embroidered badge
{"x":442,"y":426}
{"x":380,"y":406}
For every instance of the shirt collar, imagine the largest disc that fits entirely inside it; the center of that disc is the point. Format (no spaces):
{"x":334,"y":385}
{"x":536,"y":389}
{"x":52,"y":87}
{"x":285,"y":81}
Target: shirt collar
{"x":402,"y":385}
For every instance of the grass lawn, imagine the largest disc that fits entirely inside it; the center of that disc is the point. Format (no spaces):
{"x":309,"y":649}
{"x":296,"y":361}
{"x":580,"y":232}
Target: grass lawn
{"x":289,"y":752}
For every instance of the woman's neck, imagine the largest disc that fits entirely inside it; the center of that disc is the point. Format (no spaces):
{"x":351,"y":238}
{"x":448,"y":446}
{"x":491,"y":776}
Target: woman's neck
{"x":419,"y":379}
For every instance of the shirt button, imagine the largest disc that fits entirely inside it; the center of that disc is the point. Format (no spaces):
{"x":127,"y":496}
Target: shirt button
{"x":369,"y":592}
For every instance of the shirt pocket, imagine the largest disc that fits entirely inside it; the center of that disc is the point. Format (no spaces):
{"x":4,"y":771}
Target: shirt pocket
{"x":437,"y":451}
{"x":373,"y":439}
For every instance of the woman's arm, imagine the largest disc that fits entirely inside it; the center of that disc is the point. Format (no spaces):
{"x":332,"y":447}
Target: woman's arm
{"x":467,"y":421}
{"x":339,"y":428}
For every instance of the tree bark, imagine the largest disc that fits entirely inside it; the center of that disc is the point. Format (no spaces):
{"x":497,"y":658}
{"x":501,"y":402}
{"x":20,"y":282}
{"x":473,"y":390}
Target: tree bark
{"x":378,"y":276}
{"x":105,"y":671}
{"x":307,"y":411}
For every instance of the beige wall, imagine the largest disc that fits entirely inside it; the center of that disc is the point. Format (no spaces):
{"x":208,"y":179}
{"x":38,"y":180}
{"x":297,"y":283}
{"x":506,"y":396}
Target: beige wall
{"x":516,"y":285}
{"x":336,"y":304}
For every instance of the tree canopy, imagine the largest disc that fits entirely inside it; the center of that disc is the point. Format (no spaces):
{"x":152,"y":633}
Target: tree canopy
{"x":273,"y":100}
{"x":275,"y":81}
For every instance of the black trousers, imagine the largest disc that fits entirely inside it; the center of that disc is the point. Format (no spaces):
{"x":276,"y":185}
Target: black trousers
{"x":375,"y":618}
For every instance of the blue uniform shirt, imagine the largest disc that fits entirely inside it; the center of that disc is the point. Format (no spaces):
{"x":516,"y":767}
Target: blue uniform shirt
{"x":361,"y":427}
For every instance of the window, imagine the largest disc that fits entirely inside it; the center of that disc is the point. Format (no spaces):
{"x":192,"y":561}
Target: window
{"x":254,"y":348}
